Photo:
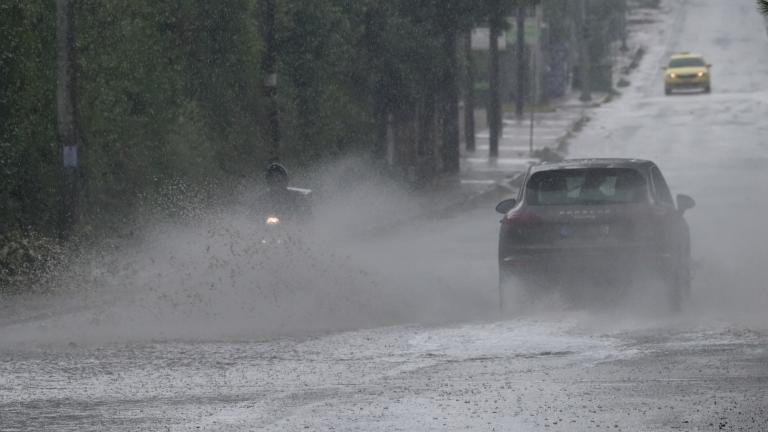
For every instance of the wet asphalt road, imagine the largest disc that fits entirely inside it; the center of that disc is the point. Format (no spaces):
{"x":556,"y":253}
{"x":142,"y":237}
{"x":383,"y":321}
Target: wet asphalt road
{"x":548,"y":373}
{"x":554,"y":368}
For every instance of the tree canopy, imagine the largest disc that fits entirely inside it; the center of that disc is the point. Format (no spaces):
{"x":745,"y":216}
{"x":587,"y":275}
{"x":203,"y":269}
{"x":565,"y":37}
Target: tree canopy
{"x":174,"y":92}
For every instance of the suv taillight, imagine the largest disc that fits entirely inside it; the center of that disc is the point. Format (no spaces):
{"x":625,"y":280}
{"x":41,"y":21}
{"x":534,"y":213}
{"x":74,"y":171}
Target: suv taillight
{"x":521,"y":218}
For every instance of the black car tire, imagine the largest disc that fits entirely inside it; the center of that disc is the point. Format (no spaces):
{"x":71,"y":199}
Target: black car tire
{"x":506,"y":298}
{"x":675,"y":297}
{"x":514,"y":292}
{"x":678,"y":283}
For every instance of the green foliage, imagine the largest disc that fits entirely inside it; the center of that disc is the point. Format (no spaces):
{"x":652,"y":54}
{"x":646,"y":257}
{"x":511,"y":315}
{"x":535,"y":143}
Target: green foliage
{"x":763,"y":5}
{"x":26,"y":258}
{"x":168,"y":90}
{"x":171,"y":92}
{"x":28,"y":176}
{"x":315,"y":55}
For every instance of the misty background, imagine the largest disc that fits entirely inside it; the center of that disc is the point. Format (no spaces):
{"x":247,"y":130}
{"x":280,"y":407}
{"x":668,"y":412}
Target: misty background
{"x":173,"y":120}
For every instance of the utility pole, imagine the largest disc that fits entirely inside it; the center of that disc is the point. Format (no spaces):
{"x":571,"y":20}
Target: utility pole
{"x":494,"y":103}
{"x":67,"y":127}
{"x":532,"y":102}
{"x":469,"y":95}
{"x":623,"y":24}
{"x":270,"y":81}
{"x":521,"y":63}
{"x":585,"y":67}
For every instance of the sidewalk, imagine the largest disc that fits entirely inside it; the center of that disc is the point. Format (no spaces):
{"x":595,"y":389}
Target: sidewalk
{"x":516,"y":148}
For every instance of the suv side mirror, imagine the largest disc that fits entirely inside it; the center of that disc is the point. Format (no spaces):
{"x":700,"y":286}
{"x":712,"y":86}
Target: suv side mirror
{"x":505,"y":206}
{"x":684,"y":202}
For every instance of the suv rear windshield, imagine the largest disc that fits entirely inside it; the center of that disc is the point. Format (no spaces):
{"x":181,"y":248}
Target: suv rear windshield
{"x":587,"y":186}
{"x":686,"y":62}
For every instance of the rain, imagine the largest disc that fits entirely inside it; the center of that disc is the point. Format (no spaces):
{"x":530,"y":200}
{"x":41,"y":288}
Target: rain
{"x":291,"y":215}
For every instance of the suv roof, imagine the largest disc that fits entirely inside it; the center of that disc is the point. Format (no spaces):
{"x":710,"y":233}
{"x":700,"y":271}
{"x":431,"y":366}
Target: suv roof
{"x":592,"y":163}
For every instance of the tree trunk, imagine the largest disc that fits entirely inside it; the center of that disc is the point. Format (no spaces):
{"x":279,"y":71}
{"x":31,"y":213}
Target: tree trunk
{"x":68,"y":130}
{"x":469,"y":95}
{"x":623,"y":24}
{"x":425,"y":146}
{"x":450,"y":104}
{"x":381,"y":115}
{"x":585,"y":63}
{"x":521,"y":63}
{"x":494,"y":103}
{"x":306,"y":116}
{"x":270,"y":80}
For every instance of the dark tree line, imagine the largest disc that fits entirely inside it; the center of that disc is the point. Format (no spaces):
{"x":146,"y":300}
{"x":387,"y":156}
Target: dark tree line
{"x":175,"y":90}
{"x":184,"y":91}
{"x":178,"y":95}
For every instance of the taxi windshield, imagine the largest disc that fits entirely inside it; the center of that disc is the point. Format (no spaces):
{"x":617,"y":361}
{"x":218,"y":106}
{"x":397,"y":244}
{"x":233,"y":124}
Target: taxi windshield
{"x":686,"y":62}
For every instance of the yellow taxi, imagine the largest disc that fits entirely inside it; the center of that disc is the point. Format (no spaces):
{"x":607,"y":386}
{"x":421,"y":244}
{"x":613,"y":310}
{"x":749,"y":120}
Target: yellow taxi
{"x":687,"y":71}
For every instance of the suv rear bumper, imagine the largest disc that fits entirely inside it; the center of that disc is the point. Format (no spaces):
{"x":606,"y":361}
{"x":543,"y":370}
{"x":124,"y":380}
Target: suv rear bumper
{"x":585,"y":263}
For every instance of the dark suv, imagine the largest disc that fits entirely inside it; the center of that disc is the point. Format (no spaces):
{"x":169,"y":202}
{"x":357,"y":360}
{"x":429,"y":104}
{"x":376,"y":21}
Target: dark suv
{"x":603,"y":221}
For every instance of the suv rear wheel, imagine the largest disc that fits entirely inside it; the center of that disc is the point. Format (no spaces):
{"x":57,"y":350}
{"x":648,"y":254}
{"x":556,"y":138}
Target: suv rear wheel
{"x":678,"y":282}
{"x":514,"y":292}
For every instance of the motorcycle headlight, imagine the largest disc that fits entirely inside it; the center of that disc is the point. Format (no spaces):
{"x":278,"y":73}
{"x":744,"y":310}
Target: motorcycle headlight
{"x":273,"y":220}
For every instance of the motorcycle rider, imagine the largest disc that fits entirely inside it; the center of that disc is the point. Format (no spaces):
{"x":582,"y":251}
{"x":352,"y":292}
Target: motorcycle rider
{"x":282,"y":201}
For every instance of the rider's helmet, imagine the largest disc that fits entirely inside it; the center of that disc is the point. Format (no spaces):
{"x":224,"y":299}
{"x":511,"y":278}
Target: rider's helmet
{"x":277,"y":176}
